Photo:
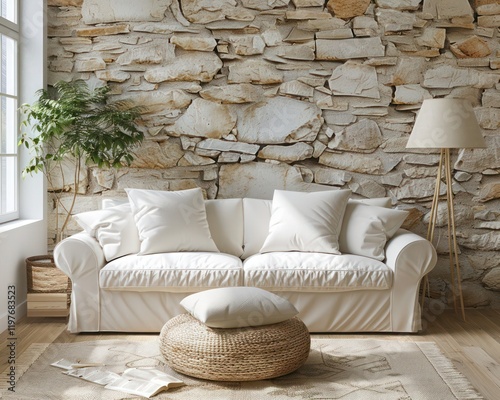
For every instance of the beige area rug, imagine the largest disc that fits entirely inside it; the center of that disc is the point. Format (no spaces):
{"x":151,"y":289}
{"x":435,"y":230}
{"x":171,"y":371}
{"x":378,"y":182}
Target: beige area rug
{"x":344,"y":369}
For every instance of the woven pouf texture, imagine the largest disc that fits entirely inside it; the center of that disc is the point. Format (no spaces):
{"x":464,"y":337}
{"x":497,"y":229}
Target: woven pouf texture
{"x":239,"y":354}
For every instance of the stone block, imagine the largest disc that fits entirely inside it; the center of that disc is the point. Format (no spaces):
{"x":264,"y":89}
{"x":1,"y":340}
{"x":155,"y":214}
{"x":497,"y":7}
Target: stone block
{"x":308,"y":3}
{"x":346,"y":49}
{"x":432,"y":37}
{"x":297,"y":52}
{"x":417,"y":189}
{"x":300,"y":14}
{"x":159,"y":100}
{"x":328,"y":176}
{"x":347,"y":8}
{"x":472,"y":47}
{"x":410,"y":94}
{"x":259,"y":180}
{"x":447,"y":9}
{"x":491,"y":98}
{"x":142,"y":179}
{"x":363,"y":136}
{"x":247,"y":45}
{"x":490,"y":191}
{"x":157,"y":155}
{"x":202,"y":12}
{"x":103,"y":11}
{"x":296,"y":152}
{"x":446,"y":76}
{"x":368,"y":189}
{"x":153,"y":54}
{"x":103,"y":30}
{"x":113,"y":76}
{"x":489,"y":21}
{"x":263,"y":5}
{"x":194,"y":42}
{"x":296,"y":88}
{"x":254,"y":71}
{"x":233,"y":93}
{"x":64,"y":3}
{"x":353,"y":162}
{"x":90,"y":64}
{"x":205,"y":118}
{"x":395,"y":21}
{"x":486,"y":242}
{"x":353,"y":79}
{"x":215,"y":145}
{"x":492,"y":279}
{"x":402,"y":5}
{"x":279,"y":120}
{"x":192,"y":66}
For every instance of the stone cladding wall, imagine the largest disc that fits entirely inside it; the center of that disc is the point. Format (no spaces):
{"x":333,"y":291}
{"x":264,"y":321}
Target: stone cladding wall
{"x":245,"y":96}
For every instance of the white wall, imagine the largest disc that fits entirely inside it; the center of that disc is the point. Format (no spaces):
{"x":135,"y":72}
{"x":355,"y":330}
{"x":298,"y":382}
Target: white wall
{"x":28,"y":236}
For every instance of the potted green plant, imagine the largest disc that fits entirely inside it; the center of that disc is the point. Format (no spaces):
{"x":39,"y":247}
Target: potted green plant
{"x":72,"y":125}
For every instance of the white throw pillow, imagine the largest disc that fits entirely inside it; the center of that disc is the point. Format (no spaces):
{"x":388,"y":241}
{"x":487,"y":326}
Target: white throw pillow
{"x":114,"y":228}
{"x":366,"y":229}
{"x":237,"y":307}
{"x":171,"y":221}
{"x":308,"y":221}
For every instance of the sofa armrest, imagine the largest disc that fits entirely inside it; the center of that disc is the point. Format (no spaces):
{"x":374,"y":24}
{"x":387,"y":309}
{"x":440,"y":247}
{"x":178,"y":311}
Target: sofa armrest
{"x":410,"y":257}
{"x":81,"y":258}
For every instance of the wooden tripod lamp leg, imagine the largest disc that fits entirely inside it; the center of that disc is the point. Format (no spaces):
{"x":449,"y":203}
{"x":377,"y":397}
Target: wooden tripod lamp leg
{"x":433,"y":219}
{"x":452,"y":239}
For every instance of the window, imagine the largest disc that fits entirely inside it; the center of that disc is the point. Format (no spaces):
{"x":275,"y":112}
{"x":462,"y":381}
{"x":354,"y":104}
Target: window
{"x":9,"y":127}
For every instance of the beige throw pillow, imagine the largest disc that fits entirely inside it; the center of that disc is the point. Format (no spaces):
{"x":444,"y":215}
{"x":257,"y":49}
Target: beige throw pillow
{"x":366,"y":229}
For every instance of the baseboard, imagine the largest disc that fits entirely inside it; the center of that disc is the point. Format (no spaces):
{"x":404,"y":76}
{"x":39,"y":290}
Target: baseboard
{"x":20,"y":313}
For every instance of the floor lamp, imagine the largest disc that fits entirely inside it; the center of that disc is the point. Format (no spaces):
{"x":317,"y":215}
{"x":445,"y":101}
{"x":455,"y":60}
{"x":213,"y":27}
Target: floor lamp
{"x":446,"y":124}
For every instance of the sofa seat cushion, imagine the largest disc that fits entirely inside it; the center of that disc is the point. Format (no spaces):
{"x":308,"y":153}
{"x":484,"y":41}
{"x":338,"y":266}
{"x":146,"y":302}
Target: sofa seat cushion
{"x":315,"y":272}
{"x":186,"y":272}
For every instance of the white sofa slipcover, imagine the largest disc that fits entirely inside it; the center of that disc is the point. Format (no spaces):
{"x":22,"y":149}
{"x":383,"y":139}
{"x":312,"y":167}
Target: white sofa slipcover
{"x":333,"y":293}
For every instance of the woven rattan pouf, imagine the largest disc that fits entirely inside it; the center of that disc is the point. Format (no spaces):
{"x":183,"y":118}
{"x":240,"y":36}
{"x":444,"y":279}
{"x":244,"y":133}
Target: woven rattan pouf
{"x":239,"y":354}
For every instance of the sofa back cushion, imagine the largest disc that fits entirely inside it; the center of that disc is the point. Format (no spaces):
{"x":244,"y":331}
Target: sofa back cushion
{"x":225,"y":220}
{"x":256,"y":217}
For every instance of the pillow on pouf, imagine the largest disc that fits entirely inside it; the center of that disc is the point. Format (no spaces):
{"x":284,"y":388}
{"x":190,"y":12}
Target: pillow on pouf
{"x":238,"y":307}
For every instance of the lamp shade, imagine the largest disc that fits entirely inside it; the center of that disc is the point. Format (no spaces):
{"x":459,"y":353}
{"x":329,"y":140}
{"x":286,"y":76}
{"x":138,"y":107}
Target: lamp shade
{"x":446,"y":124}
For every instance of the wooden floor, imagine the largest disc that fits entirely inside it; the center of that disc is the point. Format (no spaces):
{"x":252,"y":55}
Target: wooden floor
{"x":473,"y":346}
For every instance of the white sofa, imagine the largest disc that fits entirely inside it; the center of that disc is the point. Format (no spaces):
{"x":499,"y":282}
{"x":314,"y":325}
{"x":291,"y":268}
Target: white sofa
{"x":333,"y":293}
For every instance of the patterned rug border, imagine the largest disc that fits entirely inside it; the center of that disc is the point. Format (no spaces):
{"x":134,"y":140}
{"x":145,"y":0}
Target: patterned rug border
{"x":456,"y":381}
{"x":459,"y":384}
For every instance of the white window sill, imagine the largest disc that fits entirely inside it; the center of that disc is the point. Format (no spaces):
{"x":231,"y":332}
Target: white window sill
{"x":19,"y":223}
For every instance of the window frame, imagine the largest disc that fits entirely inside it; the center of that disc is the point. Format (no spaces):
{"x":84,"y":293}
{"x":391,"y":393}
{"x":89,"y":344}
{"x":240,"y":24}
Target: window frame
{"x":12,"y":30}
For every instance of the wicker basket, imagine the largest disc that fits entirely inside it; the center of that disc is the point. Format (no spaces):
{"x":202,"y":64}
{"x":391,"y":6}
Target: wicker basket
{"x":44,"y":277}
{"x":239,"y":354}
